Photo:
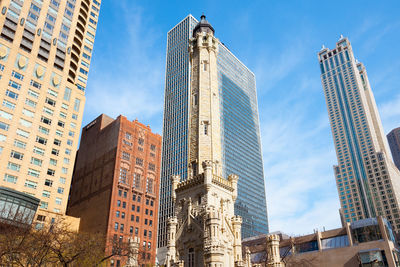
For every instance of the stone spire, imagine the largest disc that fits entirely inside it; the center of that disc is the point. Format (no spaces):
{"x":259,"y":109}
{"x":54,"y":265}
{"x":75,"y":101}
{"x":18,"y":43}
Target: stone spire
{"x":205,"y":122}
{"x":133,"y":252}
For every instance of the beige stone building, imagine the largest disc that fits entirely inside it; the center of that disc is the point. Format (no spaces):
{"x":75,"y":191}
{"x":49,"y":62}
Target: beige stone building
{"x":368,"y":242}
{"x":204,"y":230}
{"x":45,"y":52}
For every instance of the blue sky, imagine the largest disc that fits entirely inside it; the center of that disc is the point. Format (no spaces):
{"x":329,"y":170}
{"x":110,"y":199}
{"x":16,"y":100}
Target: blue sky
{"x":279,"y":41}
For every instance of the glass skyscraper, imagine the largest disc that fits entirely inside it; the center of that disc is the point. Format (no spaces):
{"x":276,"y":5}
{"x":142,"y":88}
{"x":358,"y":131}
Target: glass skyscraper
{"x":240,"y":130}
{"x":367,"y":180}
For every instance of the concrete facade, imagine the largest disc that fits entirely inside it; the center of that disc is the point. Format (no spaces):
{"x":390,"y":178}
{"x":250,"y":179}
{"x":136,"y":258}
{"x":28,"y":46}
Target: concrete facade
{"x":367,"y":180}
{"x":368,"y":242}
{"x":116,"y":183}
{"x":394,"y":143}
{"x":45,"y":53}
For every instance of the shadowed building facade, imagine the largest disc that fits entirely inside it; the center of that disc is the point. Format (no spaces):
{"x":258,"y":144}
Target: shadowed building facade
{"x":240,"y":133}
{"x":116,"y":183}
{"x":367,"y":180}
{"x":394,"y":143}
{"x":45,"y":54}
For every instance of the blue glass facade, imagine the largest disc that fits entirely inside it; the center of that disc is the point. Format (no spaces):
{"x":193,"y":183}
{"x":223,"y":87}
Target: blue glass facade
{"x":241,"y":141}
{"x":240,"y":130}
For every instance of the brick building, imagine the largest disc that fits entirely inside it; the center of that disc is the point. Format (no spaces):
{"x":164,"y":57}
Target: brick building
{"x":116,"y":183}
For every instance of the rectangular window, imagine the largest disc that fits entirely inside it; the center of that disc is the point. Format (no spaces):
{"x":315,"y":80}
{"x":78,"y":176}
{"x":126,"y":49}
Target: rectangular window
{"x":46,"y":193}
{"x":139,"y":161}
{"x":36,"y":161}
{"x":30,"y":103}
{"x":8,"y":104}
{"x":58,"y":201}
{"x":14,"y":85}
{"x":48,"y":183}
{"x":44,"y":130}
{"x":11,"y":94}
{"x":50,"y":101}
{"x":60,"y":190}
{"x":33,"y":94}
{"x":13,"y":166}
{"x":4,"y":126}
{"x":25,"y":123}
{"x":45,"y":120}
{"x":17,"y":75}
{"x":48,"y":111}
{"x":10,"y":178}
{"x":41,"y":140}
{"x":62,"y":180}
{"x":16,"y":155}
{"x":53,"y":162}
{"x":77,"y":104}
{"x":30,"y":184}
{"x":33,"y":173}
{"x":36,"y":84}
{"x":67,"y":94}
{"x":52,"y":92}
{"x":126,"y":155}
{"x":20,"y":144}
{"x":28,"y":113}
{"x":38,"y":151}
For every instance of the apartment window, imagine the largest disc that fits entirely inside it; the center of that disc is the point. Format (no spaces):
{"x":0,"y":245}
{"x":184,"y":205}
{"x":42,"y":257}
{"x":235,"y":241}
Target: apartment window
{"x":36,"y":84}
{"x":11,"y":94}
{"x":77,"y":104}
{"x":30,"y":103}
{"x":60,"y":190}
{"x":67,"y":94}
{"x":13,"y":166}
{"x":28,"y":113}
{"x":126,"y":155}
{"x":131,"y":230}
{"x":33,"y":173}
{"x":117,"y":213}
{"x":50,"y":101}
{"x":10,"y":178}
{"x":30,"y":184}
{"x":51,"y":172}
{"x":63,"y":115}
{"x":57,"y":142}
{"x":33,"y":94}
{"x":139,"y":161}
{"x":55,"y":152}
{"x":41,"y":140}
{"x":38,"y":150}
{"x":121,"y":228}
{"x":59,"y":133}
{"x":17,"y":75}
{"x":124,"y":204}
{"x":44,"y":130}
{"x":52,"y":92}
{"x":14,"y":85}
{"x":149,"y":185}
{"x":61,"y":124}
{"x":44,"y":205}
{"x":118,"y":203}
{"x":8,"y":104}
{"x":153,"y":147}
{"x":16,"y":155}
{"x":136,"y":181}
{"x":4,"y":126}
{"x":141,"y":141}
{"x":123,"y":173}
{"x":58,"y":201}
{"x":132,"y":218}
{"x":152,"y":167}
{"x":68,"y":151}
{"x":62,"y":180}
{"x":136,"y":231}
{"x":122,"y":215}
{"x":116,"y":226}
{"x":48,"y":183}
{"x":45,"y":120}
{"x":46,"y":193}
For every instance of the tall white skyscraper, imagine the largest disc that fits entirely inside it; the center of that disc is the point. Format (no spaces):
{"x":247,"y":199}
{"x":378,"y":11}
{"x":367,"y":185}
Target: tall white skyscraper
{"x":367,"y":180}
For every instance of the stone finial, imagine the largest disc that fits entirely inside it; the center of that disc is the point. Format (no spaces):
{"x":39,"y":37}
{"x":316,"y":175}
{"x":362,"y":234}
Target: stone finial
{"x":274,"y":258}
{"x":207,"y":167}
{"x":233,"y":178}
{"x":174,"y":182}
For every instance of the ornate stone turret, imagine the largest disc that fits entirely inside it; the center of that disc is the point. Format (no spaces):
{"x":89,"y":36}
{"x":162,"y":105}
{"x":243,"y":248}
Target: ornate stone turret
{"x":274,"y":258}
{"x":204,"y":231}
{"x":133,"y":252}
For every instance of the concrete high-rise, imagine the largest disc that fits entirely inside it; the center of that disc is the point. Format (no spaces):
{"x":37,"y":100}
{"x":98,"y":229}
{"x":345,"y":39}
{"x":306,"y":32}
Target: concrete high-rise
{"x":45,"y":52}
{"x":240,"y":133}
{"x":368,"y":182}
{"x":116,"y":183}
{"x":394,"y":144}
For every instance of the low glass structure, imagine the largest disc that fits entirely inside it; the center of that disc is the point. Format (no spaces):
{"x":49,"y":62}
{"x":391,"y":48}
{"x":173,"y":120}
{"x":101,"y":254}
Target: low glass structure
{"x":17,"y":208}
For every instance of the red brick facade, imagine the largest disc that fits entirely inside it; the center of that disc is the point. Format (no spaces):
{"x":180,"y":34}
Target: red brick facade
{"x":121,"y":202}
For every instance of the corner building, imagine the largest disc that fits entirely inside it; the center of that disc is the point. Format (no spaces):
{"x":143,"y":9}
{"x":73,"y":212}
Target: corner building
{"x":366,"y":177}
{"x":240,"y":131}
{"x":45,"y":53}
{"x":116,"y":183}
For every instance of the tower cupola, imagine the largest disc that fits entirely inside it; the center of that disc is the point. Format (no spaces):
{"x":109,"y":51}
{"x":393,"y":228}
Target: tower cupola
{"x":203,"y":26}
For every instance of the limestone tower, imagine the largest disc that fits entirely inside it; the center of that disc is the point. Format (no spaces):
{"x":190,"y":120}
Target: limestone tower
{"x":204,"y":230}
